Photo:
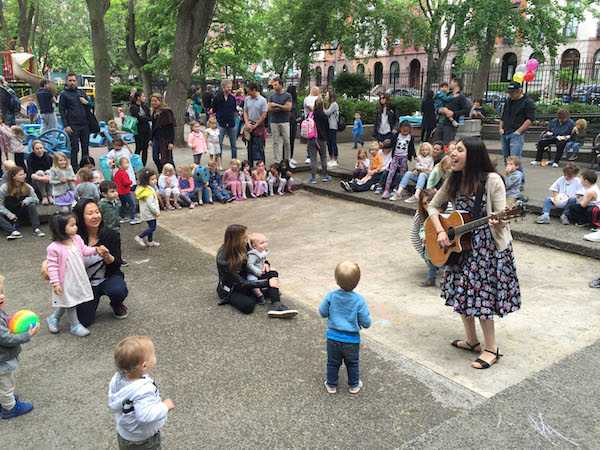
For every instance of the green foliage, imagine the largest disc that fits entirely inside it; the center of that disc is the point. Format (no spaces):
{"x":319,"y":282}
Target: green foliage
{"x":568,"y":74}
{"x":366,"y":109}
{"x":347,"y":108}
{"x":574,"y":108}
{"x":406,"y":105}
{"x":120,"y":92}
{"x":353,"y":85}
{"x":498,"y":87}
{"x":490,"y":112}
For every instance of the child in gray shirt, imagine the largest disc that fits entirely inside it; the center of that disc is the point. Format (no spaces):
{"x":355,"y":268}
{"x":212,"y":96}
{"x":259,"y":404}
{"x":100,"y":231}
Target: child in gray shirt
{"x":87,"y":188}
{"x":513,"y":179}
{"x":257,"y":258}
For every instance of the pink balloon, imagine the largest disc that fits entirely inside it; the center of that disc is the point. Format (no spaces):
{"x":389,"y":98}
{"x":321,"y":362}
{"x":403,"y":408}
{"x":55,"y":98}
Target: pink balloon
{"x":529,"y":76}
{"x":532,"y":64}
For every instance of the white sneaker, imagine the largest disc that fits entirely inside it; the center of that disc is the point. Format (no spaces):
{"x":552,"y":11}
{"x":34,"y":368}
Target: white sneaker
{"x":329,"y":163}
{"x":334,"y":164}
{"x":293,"y":164}
{"x":554,"y":165}
{"x":293,"y":161}
{"x":594,"y":237}
{"x":536,"y":163}
{"x":307,"y":161}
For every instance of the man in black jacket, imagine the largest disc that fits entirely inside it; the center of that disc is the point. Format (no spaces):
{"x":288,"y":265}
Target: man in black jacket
{"x":456,"y":108}
{"x":72,"y":105}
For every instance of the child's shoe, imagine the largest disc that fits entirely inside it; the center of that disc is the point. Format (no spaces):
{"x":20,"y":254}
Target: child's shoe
{"x":280,"y":192}
{"x":260,"y":300}
{"x":140,"y":241}
{"x":53,"y":325}
{"x":378,"y":191}
{"x":170,"y":207}
{"x":455,"y":124}
{"x":385,"y":195}
{"x":394,"y":197}
{"x":230,"y":199}
{"x":192,"y":205}
{"x":271,"y":194}
{"x":124,"y":220}
{"x":79,"y":330}
{"x":411,"y":199}
{"x":223,"y":200}
{"x":153,"y":244}
{"x":327,"y":178}
{"x":355,"y":390}
{"x":18,"y":410}
{"x":312,"y":181}
{"x":543,"y":219}
{"x":289,"y":191}
{"x":211,"y":202}
{"x":178,"y":206}
{"x":330,"y":390}
{"x":564,"y":220}
{"x":135,"y":221}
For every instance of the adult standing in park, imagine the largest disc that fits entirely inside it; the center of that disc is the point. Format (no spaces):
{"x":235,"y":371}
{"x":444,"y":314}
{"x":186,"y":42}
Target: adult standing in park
{"x":46,"y":101}
{"x":72,"y":104}
{"x":143,"y":137}
{"x":197,"y":103}
{"x":105,"y":273}
{"x":280,"y":105}
{"x":386,"y":118}
{"x":294,"y":119}
{"x":453,"y":111}
{"x":475,"y":186}
{"x":224,"y":106}
{"x":309,"y":106}
{"x":518,"y":115}
{"x":18,"y":203}
{"x":207,"y":101}
{"x":163,"y":131}
{"x":428,"y":115}
{"x":255,"y":113}
{"x":6,"y":106}
{"x":234,"y":287}
{"x":333,"y":117}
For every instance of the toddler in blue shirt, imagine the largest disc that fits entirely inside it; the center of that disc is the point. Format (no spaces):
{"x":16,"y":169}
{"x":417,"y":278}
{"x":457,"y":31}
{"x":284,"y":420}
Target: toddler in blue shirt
{"x":346,"y":313}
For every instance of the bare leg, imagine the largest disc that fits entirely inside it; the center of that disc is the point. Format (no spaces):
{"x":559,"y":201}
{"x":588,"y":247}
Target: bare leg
{"x":489,"y":336}
{"x":167,"y":200}
{"x":470,"y":332}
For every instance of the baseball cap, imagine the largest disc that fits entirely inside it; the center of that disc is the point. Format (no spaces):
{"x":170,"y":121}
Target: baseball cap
{"x":513,"y":86}
{"x":387,"y":143}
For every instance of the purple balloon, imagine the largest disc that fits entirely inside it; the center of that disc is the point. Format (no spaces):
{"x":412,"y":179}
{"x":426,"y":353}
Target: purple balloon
{"x":532,"y":64}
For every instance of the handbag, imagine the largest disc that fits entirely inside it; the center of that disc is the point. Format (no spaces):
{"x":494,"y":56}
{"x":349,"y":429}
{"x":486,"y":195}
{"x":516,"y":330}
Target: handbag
{"x":130,"y":124}
{"x":93,"y":125}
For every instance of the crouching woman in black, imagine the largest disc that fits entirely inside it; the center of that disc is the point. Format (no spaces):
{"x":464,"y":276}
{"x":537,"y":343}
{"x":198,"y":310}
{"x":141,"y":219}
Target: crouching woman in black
{"x":233,"y":286}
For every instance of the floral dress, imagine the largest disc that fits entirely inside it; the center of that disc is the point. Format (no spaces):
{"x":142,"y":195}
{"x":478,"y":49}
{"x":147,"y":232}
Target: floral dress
{"x":484,"y":281}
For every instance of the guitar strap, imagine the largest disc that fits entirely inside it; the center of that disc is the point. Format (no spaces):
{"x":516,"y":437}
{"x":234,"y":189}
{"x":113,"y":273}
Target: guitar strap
{"x":476,"y":213}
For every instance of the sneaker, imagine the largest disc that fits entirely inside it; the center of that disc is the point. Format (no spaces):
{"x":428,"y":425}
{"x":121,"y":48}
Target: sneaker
{"x":378,"y":191}
{"x":53,"y":325}
{"x":153,"y":244}
{"x":79,"y":330}
{"x":313,"y":181}
{"x":39,"y":233}
{"x":554,"y":164}
{"x":536,"y":163}
{"x":271,"y":195}
{"x":14,"y":235}
{"x":192,"y":205}
{"x":333,"y":164}
{"x":281,"y":311}
{"x":356,"y":390}
{"x":405,"y":193}
{"x":178,"y":206}
{"x":594,"y":237}
{"x":455,"y":124}
{"x":543,"y":219}
{"x":260,"y":300}
{"x":411,"y":199}
{"x":223,"y":200}
{"x":582,"y":225}
{"x":124,"y":263}
{"x":307,"y":161}
{"x":292,"y":164}
{"x":230,"y":199}
{"x":326,"y":178}
{"x":293,"y":161}
{"x":573,"y":158}
{"x":135,"y":221}
{"x":330,"y":390}
{"x":18,"y":410}
{"x":124,"y":220}
{"x":595,"y":283}
{"x":120,"y":311}
{"x":394,"y":197}
{"x":280,"y":193}
{"x":385,"y":195}
{"x":330,"y":163}
{"x":564,"y":220}
{"x":345,"y":185}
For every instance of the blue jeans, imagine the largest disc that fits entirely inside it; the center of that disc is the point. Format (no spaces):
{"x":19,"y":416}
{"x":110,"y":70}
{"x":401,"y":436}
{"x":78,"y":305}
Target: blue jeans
{"x":357,"y":140}
{"x":547,"y":205}
{"x":114,"y":287}
{"x":148,"y":231}
{"x":127,"y":198}
{"x":432,"y":272}
{"x":256,"y":149}
{"x":573,"y":146}
{"x":382,"y":137}
{"x":420,"y":179}
{"x":336,"y":352}
{"x":221,"y":194}
{"x":232,"y":132}
{"x":512,"y":145}
{"x":570,"y":204}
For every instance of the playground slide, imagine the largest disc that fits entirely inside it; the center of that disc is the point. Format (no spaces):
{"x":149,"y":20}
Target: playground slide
{"x":22,"y":63}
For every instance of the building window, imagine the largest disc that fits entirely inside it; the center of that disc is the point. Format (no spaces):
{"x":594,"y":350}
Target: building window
{"x":319,"y":76}
{"x":394,"y":73}
{"x":509,"y":64}
{"x":378,"y":73}
{"x":360,"y":69}
{"x":597,"y":65}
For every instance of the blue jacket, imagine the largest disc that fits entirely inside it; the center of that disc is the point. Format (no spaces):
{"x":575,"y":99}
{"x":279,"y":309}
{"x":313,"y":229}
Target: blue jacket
{"x":347,"y":312}
{"x":214,"y":181}
{"x":358,"y":127}
{"x":561,"y":130}
{"x":225,"y":110}
{"x":72,"y":111}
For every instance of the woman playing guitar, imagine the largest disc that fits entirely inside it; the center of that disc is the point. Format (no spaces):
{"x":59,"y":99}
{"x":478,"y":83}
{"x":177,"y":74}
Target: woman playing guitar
{"x":481,"y":283}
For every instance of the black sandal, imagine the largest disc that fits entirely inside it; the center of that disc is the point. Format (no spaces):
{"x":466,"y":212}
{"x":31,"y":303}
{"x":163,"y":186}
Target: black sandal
{"x":470,"y":349}
{"x":485,"y":364}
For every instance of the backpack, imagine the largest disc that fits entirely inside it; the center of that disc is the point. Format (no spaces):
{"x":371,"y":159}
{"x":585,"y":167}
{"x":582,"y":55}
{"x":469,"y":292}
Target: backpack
{"x":308,"y":128}
{"x":15,"y":103}
{"x":342,"y":122}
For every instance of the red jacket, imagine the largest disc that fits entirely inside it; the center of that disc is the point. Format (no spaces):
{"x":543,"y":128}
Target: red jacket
{"x":123,"y":182}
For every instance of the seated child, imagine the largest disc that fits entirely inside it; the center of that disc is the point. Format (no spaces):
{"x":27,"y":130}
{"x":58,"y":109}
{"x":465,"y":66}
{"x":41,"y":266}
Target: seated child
{"x":124,"y":183}
{"x":187,"y":187}
{"x":580,"y":210}
{"x":274,"y":179}
{"x":374,"y":165}
{"x":201,"y":179}
{"x":346,"y":313}
{"x":577,"y":139}
{"x":39,"y":163}
{"x":86,"y":189}
{"x":216,"y":184}
{"x":419,"y":175}
{"x":514,"y":178}
{"x":88,"y":161}
{"x":566,"y":187}
{"x":109,"y":205}
{"x":246,"y":180}
{"x":257,"y":258}
{"x":134,"y":397}
{"x":285,"y":174}
{"x":168,"y":186}
{"x":477,"y":111}
{"x":404,"y":150}
{"x":259,"y":176}
{"x":6,"y":166}
{"x":424,"y":199}
{"x":361,"y":166}
{"x":231,"y":179}
{"x":440,"y":172}
{"x":10,"y":348}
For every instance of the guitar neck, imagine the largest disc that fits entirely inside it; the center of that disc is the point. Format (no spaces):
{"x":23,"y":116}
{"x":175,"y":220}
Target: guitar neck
{"x":472,"y":226}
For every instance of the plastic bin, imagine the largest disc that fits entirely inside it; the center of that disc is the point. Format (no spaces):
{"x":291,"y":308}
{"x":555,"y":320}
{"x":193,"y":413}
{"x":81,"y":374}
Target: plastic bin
{"x":105,"y":168}
{"x":136,"y":162}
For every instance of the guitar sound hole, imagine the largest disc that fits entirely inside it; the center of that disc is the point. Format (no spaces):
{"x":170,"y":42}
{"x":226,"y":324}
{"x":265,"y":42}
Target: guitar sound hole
{"x":451,"y":234}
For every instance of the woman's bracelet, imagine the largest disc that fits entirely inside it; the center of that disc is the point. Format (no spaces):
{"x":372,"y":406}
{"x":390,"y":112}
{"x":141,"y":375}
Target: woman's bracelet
{"x":442,"y":231}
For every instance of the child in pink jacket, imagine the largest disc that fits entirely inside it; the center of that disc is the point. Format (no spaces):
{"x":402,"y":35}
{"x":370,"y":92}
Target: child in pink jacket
{"x":197,"y":142}
{"x":231,"y":179}
{"x":71,"y":285}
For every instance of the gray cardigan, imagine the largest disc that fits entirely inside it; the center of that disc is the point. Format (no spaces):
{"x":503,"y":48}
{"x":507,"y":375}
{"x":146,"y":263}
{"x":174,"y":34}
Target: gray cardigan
{"x":87,"y":190}
{"x":31,"y":198}
{"x":496,"y":202}
{"x":56,"y":175}
{"x":333,"y":115}
{"x":10,"y":344}
{"x":256,"y":261}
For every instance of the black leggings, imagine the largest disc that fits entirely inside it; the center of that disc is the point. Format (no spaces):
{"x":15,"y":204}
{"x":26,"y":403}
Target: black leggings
{"x":141,"y":143}
{"x":245,"y":302}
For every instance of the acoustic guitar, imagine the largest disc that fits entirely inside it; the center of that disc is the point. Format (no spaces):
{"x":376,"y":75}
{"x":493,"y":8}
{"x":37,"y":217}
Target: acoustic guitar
{"x":460,"y":230}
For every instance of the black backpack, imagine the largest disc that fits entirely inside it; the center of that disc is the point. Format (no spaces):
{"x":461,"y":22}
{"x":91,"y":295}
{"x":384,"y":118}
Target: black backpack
{"x":342,"y":122}
{"x":15,"y":102}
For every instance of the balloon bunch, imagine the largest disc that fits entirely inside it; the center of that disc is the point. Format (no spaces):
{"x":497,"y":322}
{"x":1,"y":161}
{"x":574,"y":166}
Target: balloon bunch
{"x":525,"y":71}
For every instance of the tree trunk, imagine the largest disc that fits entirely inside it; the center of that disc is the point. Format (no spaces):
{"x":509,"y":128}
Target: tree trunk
{"x":36,"y":18}
{"x":481,"y":75}
{"x":97,"y":9}
{"x":141,"y":58}
{"x":434,"y":67}
{"x":25,"y":18}
{"x":146,"y":83}
{"x":3,"y":25}
{"x":193,"y":19}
